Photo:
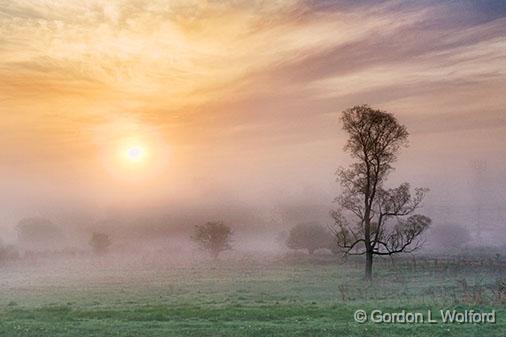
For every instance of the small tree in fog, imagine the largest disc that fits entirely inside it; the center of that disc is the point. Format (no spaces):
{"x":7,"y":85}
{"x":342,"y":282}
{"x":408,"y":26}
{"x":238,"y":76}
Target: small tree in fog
{"x":308,"y":236}
{"x":371,"y":219}
{"x":100,"y":243}
{"x":281,"y":238}
{"x":213,"y":237}
{"x":38,"y":233}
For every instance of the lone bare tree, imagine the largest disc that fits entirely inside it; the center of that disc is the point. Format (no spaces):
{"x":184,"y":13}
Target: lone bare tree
{"x":371,"y":219}
{"x":215,"y":237}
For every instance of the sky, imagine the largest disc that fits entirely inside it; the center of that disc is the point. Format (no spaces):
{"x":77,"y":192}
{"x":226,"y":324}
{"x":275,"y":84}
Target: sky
{"x":236,"y":103}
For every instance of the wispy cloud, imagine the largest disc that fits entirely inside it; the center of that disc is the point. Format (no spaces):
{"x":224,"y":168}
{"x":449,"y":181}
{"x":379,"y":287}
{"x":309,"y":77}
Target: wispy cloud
{"x":212,"y":65}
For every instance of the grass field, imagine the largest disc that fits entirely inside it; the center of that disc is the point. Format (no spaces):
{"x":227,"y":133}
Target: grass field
{"x":243,"y":297}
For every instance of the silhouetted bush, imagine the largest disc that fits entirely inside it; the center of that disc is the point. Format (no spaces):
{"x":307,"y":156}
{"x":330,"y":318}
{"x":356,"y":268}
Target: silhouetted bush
{"x":100,"y":243}
{"x":310,"y":237}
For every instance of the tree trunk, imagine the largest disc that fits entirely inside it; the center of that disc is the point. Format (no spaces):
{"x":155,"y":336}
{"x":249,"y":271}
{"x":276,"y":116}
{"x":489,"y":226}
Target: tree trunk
{"x":214,"y":255}
{"x":368,"y":265}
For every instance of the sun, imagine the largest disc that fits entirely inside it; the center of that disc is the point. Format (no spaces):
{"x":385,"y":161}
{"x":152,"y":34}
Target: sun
{"x":135,"y":153}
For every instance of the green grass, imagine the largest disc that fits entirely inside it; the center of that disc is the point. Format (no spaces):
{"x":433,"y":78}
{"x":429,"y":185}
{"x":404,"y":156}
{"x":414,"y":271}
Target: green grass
{"x":307,"y":298}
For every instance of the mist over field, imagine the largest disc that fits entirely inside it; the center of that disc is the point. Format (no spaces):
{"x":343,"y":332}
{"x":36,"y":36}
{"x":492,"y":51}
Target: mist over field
{"x":470,"y":202}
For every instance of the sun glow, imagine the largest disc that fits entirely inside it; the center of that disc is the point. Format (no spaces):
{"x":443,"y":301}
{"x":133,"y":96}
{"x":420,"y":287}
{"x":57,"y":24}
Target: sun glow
{"x":135,"y":153}
{"x":132,"y":152}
